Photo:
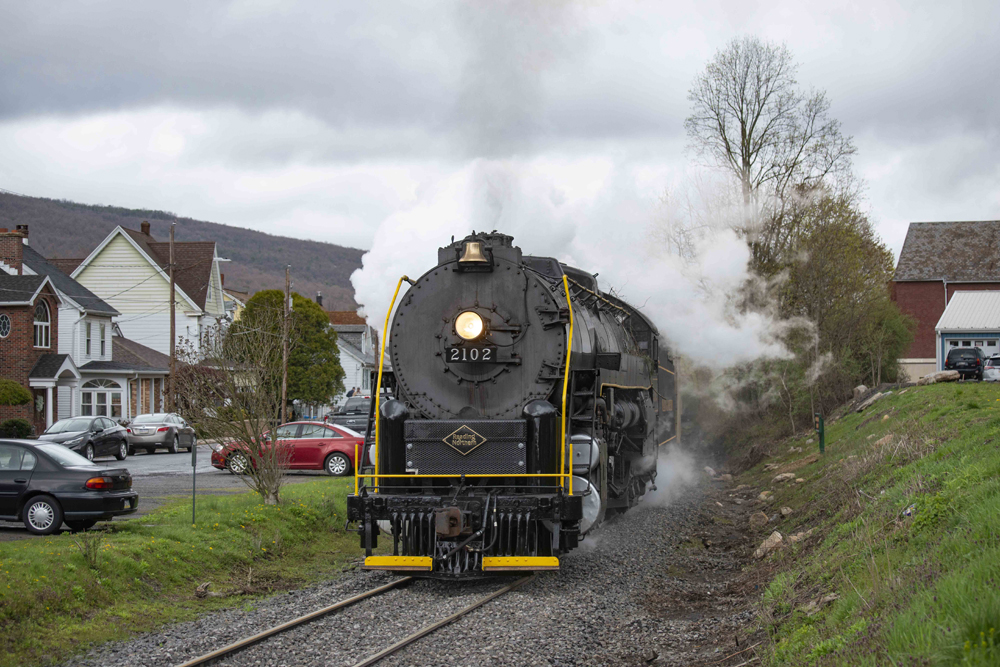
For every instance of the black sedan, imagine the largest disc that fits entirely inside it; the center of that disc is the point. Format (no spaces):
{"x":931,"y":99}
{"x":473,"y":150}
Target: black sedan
{"x":44,"y":484}
{"x":89,"y":436}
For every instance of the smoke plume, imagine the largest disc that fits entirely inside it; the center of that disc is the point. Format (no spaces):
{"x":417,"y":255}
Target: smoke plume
{"x":598,"y":217}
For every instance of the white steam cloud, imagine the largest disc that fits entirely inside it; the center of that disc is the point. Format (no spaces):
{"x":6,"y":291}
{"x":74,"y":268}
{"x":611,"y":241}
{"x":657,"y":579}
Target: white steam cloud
{"x":596,"y":216}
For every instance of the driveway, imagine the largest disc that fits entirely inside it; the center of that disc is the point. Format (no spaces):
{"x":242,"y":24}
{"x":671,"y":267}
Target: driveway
{"x":163,"y":477}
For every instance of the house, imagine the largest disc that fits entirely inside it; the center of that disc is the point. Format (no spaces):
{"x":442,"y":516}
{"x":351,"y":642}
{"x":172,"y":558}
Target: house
{"x":235,"y":300}
{"x":29,"y":335}
{"x":94,"y":370}
{"x":939,"y":260}
{"x":358,"y":354}
{"x":130,"y":271}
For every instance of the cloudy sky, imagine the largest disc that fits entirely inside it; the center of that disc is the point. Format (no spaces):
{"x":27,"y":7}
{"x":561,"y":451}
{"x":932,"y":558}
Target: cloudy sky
{"x":321,"y":120}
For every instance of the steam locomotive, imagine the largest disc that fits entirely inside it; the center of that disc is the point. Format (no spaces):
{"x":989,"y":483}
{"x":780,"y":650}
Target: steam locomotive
{"x":527,"y":407}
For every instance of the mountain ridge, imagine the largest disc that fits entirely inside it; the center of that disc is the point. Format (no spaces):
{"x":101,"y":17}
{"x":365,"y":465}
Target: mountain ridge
{"x":63,"y":229}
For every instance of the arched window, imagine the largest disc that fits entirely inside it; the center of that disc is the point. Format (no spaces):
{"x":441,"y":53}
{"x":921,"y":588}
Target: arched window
{"x":43,"y":327}
{"x":101,"y":398}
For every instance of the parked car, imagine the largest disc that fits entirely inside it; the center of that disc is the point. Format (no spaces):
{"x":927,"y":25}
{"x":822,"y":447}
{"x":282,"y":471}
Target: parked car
{"x":43,"y":484}
{"x":968,"y":361}
{"x":89,"y":436}
{"x":162,"y":430}
{"x":314,"y":446}
{"x":991,"y":373}
{"x":354,"y":412}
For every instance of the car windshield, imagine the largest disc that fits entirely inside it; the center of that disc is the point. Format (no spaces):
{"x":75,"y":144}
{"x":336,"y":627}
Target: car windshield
{"x":65,"y":457}
{"x":350,"y":432}
{"x":993,"y":363}
{"x":68,"y":425}
{"x":149,"y":419}
{"x":357,"y":404}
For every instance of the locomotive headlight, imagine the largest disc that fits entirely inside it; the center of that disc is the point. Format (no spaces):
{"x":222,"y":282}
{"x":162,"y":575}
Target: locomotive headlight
{"x":469,"y":325}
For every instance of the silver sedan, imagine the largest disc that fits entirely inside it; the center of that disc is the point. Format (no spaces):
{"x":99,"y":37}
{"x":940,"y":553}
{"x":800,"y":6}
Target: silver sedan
{"x":162,"y":430}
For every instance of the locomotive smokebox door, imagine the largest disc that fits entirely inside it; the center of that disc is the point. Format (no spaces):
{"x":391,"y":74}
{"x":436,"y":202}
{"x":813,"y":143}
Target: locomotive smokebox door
{"x":448,"y":522}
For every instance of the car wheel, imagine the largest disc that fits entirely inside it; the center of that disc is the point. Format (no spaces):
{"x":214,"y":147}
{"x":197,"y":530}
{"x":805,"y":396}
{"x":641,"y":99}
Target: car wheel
{"x":172,"y":449}
{"x":237,"y":463}
{"x":42,"y":515}
{"x":122,"y":451}
{"x":337,"y":465}
{"x":80,"y":526}
{"x":88,"y":451}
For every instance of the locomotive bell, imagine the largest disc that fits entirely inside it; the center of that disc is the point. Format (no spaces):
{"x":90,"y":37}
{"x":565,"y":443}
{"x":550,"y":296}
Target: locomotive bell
{"x":472,"y":253}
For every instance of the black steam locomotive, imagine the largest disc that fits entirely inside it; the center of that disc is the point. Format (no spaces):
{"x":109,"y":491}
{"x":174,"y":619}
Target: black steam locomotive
{"x":527,"y":406}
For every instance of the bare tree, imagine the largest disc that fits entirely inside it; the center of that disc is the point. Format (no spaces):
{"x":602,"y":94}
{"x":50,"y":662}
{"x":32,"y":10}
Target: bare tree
{"x":232,"y":390}
{"x":750,"y":118}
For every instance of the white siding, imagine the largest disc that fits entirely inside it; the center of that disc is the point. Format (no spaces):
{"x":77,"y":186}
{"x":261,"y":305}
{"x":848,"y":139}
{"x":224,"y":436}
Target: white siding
{"x":122,"y":277}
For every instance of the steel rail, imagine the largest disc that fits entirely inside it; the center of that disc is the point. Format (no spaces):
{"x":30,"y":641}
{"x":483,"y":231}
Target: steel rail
{"x":406,"y":641}
{"x":244,"y":643}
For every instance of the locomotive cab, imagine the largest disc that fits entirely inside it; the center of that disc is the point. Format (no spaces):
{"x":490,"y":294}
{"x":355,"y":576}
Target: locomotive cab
{"x":525,"y":410}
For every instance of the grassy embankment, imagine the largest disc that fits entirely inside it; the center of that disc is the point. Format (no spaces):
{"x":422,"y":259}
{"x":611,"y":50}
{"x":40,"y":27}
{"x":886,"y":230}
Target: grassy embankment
{"x":60,"y":594}
{"x":906,"y":507}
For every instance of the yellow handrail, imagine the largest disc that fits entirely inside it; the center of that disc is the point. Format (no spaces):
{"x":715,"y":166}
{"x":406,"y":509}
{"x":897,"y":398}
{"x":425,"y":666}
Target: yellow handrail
{"x":564,"y":416}
{"x":381,"y":363}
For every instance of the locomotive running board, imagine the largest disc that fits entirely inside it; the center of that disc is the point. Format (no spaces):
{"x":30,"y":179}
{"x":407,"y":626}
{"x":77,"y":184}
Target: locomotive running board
{"x":519,"y":563}
{"x":399,"y":563}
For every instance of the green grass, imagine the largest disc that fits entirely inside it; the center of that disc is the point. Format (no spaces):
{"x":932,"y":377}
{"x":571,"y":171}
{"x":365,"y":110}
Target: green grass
{"x":915,"y":587}
{"x":60,"y":594}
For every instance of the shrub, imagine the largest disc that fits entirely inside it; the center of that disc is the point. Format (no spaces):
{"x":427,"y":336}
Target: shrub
{"x":15,"y":428}
{"x":11,"y":393}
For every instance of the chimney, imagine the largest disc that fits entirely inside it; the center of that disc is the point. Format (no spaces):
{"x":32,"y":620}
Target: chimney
{"x":144,"y":227}
{"x":319,"y":299}
{"x":222,"y":279}
{"x":24,"y":230}
{"x":12,"y":249}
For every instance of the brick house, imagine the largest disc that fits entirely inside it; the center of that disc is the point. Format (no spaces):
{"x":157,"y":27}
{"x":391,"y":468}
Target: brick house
{"x":29,"y":336}
{"x":939,"y":259}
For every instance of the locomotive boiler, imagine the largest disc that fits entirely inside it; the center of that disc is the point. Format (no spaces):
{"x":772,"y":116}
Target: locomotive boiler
{"x":526,"y":407}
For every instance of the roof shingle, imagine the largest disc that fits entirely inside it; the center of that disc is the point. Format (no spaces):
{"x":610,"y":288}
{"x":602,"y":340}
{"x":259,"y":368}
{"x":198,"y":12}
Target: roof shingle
{"x":65,"y":284}
{"x":952,"y":251}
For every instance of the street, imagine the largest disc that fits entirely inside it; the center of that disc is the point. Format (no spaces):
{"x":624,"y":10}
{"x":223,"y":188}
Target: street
{"x":163,"y":477}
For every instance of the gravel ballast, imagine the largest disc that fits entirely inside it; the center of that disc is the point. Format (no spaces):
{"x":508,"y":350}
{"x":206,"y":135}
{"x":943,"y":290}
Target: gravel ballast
{"x":657,"y":585}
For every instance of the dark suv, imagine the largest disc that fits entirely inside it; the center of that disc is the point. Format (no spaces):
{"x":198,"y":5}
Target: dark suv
{"x":968,"y":361}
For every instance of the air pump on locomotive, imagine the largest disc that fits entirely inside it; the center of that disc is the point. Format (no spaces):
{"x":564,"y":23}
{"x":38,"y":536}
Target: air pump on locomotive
{"x":527,"y":406}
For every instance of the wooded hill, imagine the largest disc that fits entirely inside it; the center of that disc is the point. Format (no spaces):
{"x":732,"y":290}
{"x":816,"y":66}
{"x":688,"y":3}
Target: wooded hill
{"x":63,"y":229}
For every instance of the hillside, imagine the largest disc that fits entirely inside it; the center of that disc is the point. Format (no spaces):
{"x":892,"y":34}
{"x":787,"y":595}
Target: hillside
{"x":62,"y":229}
{"x":889,"y":553}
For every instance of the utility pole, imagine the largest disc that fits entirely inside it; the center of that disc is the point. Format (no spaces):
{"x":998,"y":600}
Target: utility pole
{"x":173,"y":327}
{"x":284,"y":348}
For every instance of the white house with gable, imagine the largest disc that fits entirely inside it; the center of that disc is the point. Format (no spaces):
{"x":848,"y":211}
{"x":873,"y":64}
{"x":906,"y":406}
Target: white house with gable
{"x":129,"y":270}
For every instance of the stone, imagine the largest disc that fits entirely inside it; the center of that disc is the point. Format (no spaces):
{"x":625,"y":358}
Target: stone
{"x":924,"y":381}
{"x":741,"y":487}
{"x":758,"y":520}
{"x":794,"y":450}
{"x":764,"y":495}
{"x":783,"y":477}
{"x":810,"y":441}
{"x":774,"y":541}
{"x":799,"y":480}
{"x":709,"y":471}
{"x":726,"y":477}
{"x":829,"y":598}
{"x":884,"y":441}
{"x":771,"y":466}
{"x":737,"y":501}
{"x":947,"y":376}
{"x":869,"y":401}
{"x":786,"y":511}
{"x":859,"y":391}
{"x":885,"y":418}
{"x":798,"y":537}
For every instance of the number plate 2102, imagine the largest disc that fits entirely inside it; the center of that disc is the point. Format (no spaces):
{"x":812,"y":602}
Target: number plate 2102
{"x":476,"y":354}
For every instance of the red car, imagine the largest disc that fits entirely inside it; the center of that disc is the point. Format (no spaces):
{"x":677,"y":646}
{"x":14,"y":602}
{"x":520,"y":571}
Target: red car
{"x":314,"y":446}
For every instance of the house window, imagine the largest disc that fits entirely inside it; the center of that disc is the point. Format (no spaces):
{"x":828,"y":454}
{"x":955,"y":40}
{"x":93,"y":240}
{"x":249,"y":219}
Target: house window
{"x":966,"y":343}
{"x":101,"y":398}
{"x":4,"y":326}
{"x":88,"y":339}
{"x":979,"y":344}
{"x":42,"y":325}
{"x":102,"y":340}
{"x":953,"y":343}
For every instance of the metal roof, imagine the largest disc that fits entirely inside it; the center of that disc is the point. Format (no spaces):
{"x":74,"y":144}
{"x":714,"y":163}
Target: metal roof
{"x":971,"y":311}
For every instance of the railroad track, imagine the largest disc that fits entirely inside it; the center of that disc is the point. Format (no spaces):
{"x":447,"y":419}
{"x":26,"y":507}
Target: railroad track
{"x":238,"y":646}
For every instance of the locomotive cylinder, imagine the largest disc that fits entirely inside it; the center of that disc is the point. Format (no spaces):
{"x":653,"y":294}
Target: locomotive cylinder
{"x":392,"y":452}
